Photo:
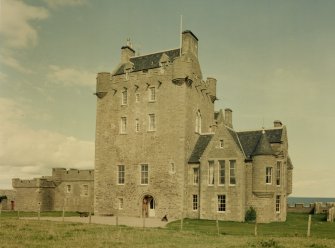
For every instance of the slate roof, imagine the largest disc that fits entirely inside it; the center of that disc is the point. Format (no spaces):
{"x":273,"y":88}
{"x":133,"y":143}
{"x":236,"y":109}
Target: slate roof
{"x":200,"y":147}
{"x":149,"y":61}
{"x":250,"y":139}
{"x":263,"y":146}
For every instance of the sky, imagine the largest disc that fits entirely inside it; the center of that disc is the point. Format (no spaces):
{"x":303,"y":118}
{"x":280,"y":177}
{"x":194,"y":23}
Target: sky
{"x":274,"y":60}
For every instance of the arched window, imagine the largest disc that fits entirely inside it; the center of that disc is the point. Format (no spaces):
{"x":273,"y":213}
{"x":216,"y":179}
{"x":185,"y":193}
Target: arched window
{"x":198,"y":122}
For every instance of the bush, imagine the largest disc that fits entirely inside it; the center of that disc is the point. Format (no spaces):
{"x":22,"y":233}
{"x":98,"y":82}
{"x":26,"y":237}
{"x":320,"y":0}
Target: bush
{"x":250,"y":215}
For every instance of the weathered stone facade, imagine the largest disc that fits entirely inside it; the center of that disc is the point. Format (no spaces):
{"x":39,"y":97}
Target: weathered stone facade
{"x":160,"y":146}
{"x":72,"y":189}
{"x":7,"y":199}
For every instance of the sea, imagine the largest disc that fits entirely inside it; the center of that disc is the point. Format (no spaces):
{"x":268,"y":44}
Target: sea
{"x":308,"y":200}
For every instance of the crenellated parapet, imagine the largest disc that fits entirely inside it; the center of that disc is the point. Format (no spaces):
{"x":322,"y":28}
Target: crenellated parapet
{"x":32,"y":183}
{"x":61,"y":174}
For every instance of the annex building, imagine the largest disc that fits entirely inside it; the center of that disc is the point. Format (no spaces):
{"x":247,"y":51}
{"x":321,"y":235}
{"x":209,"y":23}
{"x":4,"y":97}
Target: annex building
{"x":162,"y":149}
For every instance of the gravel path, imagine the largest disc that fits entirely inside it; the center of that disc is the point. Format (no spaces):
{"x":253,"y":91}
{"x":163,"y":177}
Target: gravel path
{"x":110,"y":220}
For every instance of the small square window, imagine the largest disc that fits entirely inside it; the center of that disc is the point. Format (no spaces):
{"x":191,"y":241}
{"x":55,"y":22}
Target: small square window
{"x":195,"y":202}
{"x":137,"y":97}
{"x":152,"y":94}
{"x":137,"y":125}
{"x":221,"y":144}
{"x":124,"y":100}
{"x":152,"y":122}
{"x":120,"y":203}
{"x":68,"y":188}
{"x":123,"y":128}
{"x":221,"y":203}
{"x":144,"y":174}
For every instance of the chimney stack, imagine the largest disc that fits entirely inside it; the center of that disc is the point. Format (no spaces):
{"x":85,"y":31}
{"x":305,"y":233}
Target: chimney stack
{"x":228,"y":117}
{"x":126,"y":53}
{"x":277,"y":123}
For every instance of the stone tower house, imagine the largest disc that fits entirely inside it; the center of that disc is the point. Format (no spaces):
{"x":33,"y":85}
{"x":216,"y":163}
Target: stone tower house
{"x":160,"y":146}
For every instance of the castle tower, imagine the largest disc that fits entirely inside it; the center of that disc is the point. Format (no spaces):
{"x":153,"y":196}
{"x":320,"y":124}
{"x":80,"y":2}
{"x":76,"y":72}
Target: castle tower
{"x":150,"y":112}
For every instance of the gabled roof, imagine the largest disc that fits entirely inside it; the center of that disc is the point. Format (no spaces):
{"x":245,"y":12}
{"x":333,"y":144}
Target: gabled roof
{"x":250,"y":139}
{"x":148,"y":61}
{"x":200,"y":147}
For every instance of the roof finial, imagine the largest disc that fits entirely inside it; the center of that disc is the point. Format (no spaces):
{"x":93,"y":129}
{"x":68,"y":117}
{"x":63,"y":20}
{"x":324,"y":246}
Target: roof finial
{"x":129,"y":43}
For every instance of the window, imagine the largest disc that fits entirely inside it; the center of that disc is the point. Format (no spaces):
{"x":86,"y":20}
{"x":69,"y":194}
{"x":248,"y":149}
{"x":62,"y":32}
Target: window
{"x":121,"y":173}
{"x":221,"y":143}
{"x":144,"y":174}
{"x":232,"y":176}
{"x":277,"y":203}
{"x":221,"y":203}
{"x":137,"y":97}
{"x":124,"y":100}
{"x":120,"y":203}
{"x":195,"y":175}
{"x":198,"y":122}
{"x":222,"y":175}
{"x":152,"y":94}
{"x":211,"y":172}
{"x":195,"y":202}
{"x":137,"y":125}
{"x":152,"y":122}
{"x":68,"y":188}
{"x":278,"y":173}
{"x":268,"y":176}
{"x":85,"y":190}
{"x":123,"y":125}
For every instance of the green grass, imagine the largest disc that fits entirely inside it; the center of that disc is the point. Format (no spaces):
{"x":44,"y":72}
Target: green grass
{"x":196,"y":233}
{"x":295,"y":226}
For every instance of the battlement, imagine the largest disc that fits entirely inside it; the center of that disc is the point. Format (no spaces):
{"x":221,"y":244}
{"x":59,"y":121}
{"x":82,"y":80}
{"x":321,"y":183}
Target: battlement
{"x":32,"y":183}
{"x":62,"y":174}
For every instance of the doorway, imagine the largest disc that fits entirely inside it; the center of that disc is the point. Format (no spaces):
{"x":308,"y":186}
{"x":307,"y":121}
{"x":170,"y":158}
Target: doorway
{"x":148,"y":206}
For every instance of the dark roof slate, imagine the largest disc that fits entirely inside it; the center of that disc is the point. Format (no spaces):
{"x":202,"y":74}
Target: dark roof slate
{"x":250,"y":139}
{"x":235,"y":137}
{"x":149,"y":61}
{"x":200,"y":147}
{"x":263,"y":146}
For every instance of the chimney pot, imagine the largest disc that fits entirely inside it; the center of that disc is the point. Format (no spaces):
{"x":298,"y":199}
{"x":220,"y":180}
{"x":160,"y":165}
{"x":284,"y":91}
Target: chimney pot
{"x":277,"y":123}
{"x":228,"y":117}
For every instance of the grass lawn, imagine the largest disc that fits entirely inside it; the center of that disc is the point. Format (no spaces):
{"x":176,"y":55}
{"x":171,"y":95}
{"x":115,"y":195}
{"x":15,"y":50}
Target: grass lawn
{"x":196,"y":233}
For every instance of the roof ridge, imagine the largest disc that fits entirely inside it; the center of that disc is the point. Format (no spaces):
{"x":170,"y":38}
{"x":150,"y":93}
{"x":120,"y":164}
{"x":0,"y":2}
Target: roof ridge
{"x":260,"y":130}
{"x":162,"y":51}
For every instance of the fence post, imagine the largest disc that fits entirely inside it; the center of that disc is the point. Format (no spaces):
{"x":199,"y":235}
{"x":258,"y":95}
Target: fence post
{"x":181,"y":222}
{"x":89,"y":217}
{"x":256,"y":228}
{"x":18,"y":214}
{"x":39,"y":211}
{"x":309,"y":225}
{"x":63,"y":212}
{"x":117,"y":218}
{"x":0,"y":208}
{"x":217,"y":225}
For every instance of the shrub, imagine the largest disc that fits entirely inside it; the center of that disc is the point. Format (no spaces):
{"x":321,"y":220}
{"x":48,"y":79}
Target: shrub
{"x":250,"y":215}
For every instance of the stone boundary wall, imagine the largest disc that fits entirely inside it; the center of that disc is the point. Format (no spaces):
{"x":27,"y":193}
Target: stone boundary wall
{"x":9,"y":203}
{"x":300,"y":208}
{"x":321,"y":207}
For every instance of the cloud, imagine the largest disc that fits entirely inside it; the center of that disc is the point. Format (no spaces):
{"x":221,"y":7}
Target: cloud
{"x":14,"y":63}
{"x":71,"y":76}
{"x":15,"y":24}
{"x":62,"y":3}
{"x":30,"y":153}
